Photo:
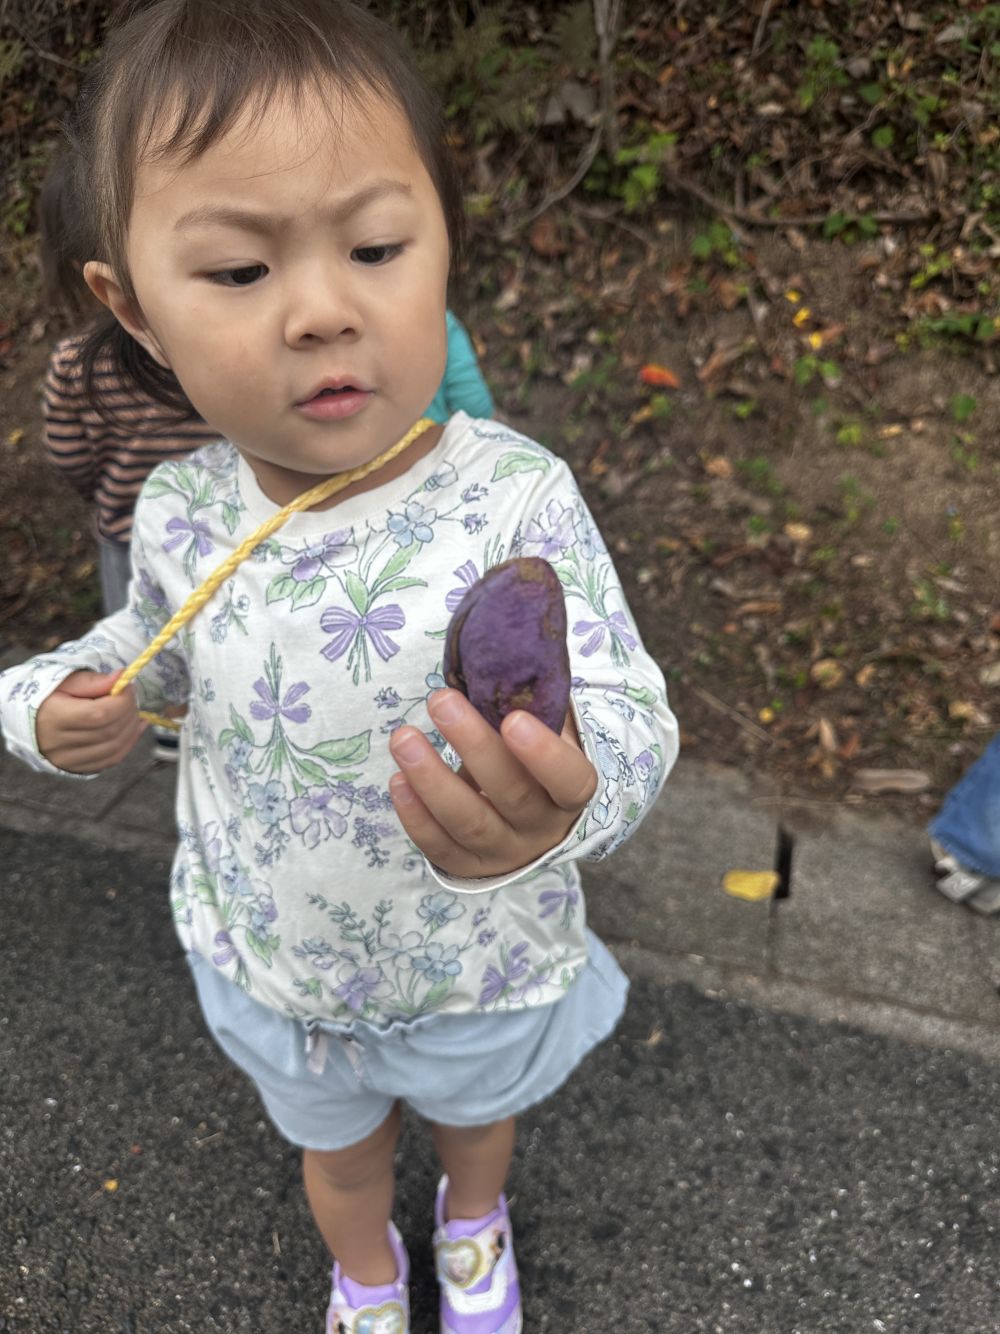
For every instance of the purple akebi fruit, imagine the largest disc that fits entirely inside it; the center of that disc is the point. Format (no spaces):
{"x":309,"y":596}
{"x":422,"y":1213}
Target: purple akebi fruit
{"x":506,"y":643}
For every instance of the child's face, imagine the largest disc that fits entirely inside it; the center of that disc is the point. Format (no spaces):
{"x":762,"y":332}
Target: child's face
{"x":308,"y":252}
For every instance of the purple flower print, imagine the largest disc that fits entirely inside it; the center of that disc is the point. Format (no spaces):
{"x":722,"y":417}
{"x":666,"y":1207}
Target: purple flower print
{"x":438,"y":962}
{"x":150,"y":592}
{"x":386,"y":699}
{"x":645,"y":764}
{"x":227,"y":950}
{"x":318,"y":815}
{"x":262,"y":915}
{"x":615,"y":625}
{"x":184,"y":530}
{"x":474,"y":523}
{"x":486,"y":937}
{"x":475,"y":492}
{"x":554,"y":899}
{"x":495,"y":983}
{"x":360,"y":987}
{"x":331,"y":550}
{"x":345,"y":623}
{"x":288,"y":708}
{"x":468,"y":575}
{"x":550,"y":534}
{"x":414,"y":524}
{"x":269,"y":801}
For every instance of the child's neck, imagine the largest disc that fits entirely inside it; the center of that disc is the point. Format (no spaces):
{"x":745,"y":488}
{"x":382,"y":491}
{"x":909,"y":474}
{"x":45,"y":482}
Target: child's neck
{"x":396,"y":467}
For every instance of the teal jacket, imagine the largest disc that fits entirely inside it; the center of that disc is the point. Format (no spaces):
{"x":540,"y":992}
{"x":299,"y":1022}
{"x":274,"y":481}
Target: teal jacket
{"x":463,"y":388}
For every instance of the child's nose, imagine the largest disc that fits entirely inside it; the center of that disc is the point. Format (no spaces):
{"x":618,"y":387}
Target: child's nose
{"x":321,"y":308}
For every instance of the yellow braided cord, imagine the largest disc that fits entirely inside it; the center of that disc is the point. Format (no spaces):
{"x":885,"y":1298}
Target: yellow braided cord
{"x":201,"y":595}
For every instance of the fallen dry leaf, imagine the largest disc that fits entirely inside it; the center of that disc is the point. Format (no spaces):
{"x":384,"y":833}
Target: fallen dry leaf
{"x":753,"y":886}
{"x":827,"y":673}
{"x":659,"y":377}
{"x":890,"y":780}
{"x":719,"y":467}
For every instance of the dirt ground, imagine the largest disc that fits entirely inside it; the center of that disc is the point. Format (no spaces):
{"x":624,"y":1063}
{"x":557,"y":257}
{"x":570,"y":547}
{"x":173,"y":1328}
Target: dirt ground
{"x":811,"y":551}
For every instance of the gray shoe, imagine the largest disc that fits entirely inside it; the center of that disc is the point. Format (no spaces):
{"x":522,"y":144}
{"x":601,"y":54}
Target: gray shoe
{"x":979,"y":892}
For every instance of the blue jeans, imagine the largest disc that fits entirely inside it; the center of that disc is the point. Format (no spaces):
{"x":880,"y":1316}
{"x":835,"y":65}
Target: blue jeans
{"x":968,"y":824}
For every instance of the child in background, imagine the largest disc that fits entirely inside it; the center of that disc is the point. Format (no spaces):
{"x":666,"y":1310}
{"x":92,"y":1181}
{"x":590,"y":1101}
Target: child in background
{"x":275,"y":216}
{"x":965,"y":836}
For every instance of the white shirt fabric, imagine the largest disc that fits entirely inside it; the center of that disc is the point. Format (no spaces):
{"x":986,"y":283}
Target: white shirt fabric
{"x":293,"y":876}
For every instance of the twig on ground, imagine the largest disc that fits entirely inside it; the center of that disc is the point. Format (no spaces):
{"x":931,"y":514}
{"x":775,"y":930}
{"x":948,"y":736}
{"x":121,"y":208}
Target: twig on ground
{"x":758,"y":37}
{"x":583,"y":166}
{"x":720,"y":706}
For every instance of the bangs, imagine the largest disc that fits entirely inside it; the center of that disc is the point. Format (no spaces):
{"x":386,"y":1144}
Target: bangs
{"x":178,"y":76}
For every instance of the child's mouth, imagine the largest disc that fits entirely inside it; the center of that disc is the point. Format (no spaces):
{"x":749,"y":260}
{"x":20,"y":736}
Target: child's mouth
{"x":332,"y":402}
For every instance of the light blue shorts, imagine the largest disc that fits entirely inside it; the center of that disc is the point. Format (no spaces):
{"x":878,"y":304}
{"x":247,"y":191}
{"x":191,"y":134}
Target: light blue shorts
{"x":326,"y":1087}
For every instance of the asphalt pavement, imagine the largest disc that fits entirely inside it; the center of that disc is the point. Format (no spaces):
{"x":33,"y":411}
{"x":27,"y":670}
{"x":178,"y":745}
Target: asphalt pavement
{"x":793,"y":1131}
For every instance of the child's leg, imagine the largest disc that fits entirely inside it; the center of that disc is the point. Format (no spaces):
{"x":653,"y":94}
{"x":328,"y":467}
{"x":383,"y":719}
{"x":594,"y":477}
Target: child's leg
{"x":350,"y":1193}
{"x":476,"y":1160}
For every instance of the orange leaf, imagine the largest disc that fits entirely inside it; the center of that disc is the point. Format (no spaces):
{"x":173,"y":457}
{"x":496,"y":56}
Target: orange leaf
{"x":659,"y":377}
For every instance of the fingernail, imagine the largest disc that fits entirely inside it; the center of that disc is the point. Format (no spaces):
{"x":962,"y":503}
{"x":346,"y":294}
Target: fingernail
{"x":446,"y":707}
{"x":406,"y":747}
{"x":520,"y":726}
{"x":401,"y":790}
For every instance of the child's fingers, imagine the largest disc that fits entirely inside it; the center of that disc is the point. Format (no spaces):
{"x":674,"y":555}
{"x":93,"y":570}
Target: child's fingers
{"x":89,"y":685}
{"x":467,"y":818}
{"x":558,"y":765}
{"x":488,"y":761}
{"x":434,"y":842}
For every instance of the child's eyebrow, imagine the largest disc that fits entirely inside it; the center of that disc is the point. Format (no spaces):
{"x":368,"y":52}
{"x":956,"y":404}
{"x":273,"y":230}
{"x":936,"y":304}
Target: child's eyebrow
{"x":266,"y":224}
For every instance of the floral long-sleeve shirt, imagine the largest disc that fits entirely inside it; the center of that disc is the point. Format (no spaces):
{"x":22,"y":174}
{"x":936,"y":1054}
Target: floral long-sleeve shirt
{"x":293,"y":875}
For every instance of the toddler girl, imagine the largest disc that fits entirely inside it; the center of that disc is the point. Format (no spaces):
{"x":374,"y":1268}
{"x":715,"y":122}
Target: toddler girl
{"x":275,"y":216}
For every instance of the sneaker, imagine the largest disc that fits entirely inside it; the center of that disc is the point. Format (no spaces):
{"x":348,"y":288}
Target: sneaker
{"x":477,"y":1272}
{"x":356,"y":1309}
{"x":980,"y":892}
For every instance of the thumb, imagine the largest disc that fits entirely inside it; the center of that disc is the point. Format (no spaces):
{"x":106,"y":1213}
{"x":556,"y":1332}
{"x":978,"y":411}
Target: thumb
{"x":90,"y":685}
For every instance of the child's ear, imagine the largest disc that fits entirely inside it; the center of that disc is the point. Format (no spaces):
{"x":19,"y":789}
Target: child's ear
{"x":101,"y":280}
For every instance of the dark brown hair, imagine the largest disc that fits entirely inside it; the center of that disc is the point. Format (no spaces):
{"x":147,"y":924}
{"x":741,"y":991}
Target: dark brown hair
{"x":209,"y":61}
{"x":62,"y":245}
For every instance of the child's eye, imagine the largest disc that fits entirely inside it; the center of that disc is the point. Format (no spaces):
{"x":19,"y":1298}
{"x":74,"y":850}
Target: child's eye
{"x":241,"y":277}
{"x":375,"y":254}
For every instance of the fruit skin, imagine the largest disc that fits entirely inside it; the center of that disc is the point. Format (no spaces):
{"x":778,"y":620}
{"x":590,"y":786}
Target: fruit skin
{"x":506,"y":643}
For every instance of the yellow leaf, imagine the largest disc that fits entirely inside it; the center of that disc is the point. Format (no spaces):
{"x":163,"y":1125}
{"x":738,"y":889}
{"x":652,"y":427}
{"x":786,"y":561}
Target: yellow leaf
{"x":793,"y":296}
{"x":16,"y":436}
{"x":815,"y":341}
{"x":827,"y":673}
{"x":766,"y":715}
{"x":111,"y":1185}
{"x":798,"y":532}
{"x":754,"y":886}
{"x":801,"y":316}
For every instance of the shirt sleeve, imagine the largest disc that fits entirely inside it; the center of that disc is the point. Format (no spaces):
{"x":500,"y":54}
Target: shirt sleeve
{"x":112,"y":644}
{"x":618,"y":696}
{"x":67,"y":444}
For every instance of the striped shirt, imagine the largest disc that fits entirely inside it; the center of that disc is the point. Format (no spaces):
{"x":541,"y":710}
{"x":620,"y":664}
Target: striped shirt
{"x":107,"y":463}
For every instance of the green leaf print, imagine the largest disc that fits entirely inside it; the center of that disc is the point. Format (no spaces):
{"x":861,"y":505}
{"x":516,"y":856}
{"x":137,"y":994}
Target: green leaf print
{"x":306,"y":595}
{"x":356,"y":591}
{"x":281,"y":586}
{"x":240,"y":724}
{"x":512,"y":463}
{"x":642,"y":695}
{"x":349,"y":750}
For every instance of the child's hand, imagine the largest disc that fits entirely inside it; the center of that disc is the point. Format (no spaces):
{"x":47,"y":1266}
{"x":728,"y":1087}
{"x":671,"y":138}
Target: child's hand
{"x":518,"y":795}
{"x":82,"y":729}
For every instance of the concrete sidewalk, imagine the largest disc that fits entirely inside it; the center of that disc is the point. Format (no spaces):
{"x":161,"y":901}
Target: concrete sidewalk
{"x":862,"y":936}
{"x":734,"y":1159}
